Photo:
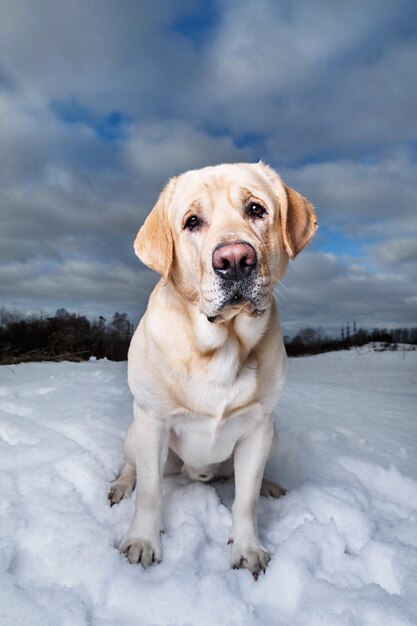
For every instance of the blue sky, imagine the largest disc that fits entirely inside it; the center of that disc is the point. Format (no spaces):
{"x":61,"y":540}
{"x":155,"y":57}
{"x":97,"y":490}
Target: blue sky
{"x":101,"y":102}
{"x":111,"y":126}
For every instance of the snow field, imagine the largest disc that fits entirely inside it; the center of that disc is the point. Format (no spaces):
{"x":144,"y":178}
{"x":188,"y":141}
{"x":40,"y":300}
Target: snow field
{"x":344,"y":538}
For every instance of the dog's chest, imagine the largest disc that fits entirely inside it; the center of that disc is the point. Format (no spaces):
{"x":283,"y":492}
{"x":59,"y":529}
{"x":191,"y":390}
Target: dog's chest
{"x":222,"y":383}
{"x":221,"y":407}
{"x":201,"y":440}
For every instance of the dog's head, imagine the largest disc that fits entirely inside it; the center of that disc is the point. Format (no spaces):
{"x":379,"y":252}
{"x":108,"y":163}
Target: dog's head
{"x":223,"y":235}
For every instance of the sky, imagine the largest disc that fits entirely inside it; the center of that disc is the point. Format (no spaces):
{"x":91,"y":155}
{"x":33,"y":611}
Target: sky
{"x":101,"y":101}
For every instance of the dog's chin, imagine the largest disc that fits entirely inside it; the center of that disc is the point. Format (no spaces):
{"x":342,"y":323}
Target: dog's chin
{"x":232,"y":306}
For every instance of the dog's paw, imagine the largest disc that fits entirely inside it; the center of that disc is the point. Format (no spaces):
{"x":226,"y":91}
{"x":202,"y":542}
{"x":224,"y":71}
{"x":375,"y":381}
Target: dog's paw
{"x":141,"y":551}
{"x":118,"y":491}
{"x":254,"y":558}
{"x":268,"y":488}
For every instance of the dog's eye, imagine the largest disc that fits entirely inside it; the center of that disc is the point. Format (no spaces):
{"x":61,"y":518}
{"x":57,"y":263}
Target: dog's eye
{"x":192,"y":222}
{"x":256,"y":210}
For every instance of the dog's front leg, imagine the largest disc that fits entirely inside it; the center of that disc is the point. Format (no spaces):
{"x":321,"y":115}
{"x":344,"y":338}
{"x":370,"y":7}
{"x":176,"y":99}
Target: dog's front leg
{"x":142,"y":543}
{"x":250,"y":456}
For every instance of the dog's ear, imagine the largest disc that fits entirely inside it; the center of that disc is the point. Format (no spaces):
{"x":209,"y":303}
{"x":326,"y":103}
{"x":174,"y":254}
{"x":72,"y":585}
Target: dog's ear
{"x":299,"y":222}
{"x":298,"y":218}
{"x":153,"y":243}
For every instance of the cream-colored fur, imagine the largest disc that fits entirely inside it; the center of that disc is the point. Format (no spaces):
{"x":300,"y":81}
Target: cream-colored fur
{"x":207,"y":362}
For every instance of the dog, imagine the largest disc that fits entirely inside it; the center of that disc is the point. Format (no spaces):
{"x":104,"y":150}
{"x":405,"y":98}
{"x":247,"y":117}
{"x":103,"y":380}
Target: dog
{"x":207,"y":363}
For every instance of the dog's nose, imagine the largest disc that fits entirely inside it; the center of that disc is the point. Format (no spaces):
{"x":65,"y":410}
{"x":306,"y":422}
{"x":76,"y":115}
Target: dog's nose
{"x":234,"y":261}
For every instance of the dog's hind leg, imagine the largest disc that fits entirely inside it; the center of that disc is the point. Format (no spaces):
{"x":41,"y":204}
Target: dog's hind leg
{"x":268,"y":488}
{"x":173,"y":464}
{"x":123,"y":486}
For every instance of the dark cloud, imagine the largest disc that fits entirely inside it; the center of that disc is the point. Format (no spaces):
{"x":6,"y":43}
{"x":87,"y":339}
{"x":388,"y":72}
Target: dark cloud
{"x":324,"y":291}
{"x":101,"y":102}
{"x":315,"y":79}
{"x":362,"y":195}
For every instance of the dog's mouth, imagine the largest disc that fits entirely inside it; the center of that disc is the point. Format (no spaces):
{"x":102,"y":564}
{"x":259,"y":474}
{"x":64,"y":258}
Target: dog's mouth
{"x":237,"y":298}
{"x":221,"y":300}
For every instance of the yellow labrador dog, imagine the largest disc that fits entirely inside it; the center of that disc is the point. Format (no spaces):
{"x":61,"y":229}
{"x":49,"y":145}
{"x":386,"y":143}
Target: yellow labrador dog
{"x":207,"y":362}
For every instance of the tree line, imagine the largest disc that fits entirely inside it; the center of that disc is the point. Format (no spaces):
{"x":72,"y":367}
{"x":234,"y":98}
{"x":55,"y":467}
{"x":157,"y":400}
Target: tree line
{"x":314,"y":340}
{"x":63,"y":336}
{"x":69,"y":336}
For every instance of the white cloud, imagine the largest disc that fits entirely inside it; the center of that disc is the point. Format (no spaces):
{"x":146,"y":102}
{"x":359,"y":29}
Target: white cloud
{"x":272,"y":48}
{"x":165,"y":148}
{"x":398,"y":251}
{"x":362,"y":197}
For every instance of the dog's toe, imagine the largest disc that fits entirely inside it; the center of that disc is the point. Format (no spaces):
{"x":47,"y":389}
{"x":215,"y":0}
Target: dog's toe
{"x":118,"y":491}
{"x":141,"y":551}
{"x":254,"y":559}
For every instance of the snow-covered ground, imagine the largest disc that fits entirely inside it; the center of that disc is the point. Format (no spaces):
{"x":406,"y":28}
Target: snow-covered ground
{"x":344,"y":538}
